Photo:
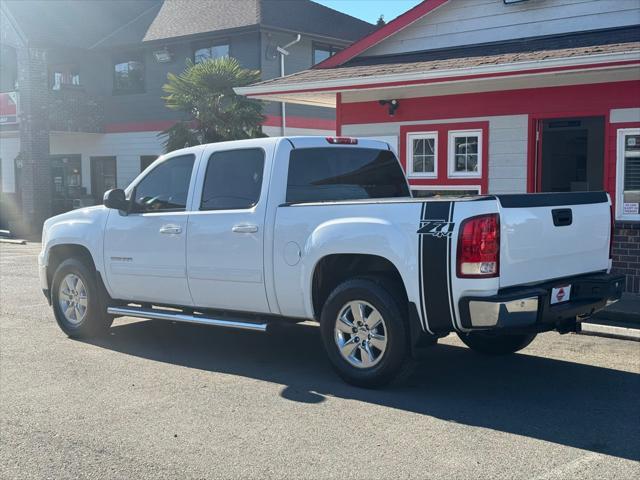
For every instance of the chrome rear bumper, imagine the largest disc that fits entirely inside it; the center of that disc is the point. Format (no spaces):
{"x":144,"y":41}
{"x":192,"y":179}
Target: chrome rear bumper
{"x":530,"y":306}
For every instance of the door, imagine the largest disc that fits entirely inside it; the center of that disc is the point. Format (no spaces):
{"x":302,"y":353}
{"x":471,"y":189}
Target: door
{"x":66,"y":174}
{"x":225,"y":237}
{"x":145,"y":250}
{"x":571,"y":154}
{"x":103,"y":176}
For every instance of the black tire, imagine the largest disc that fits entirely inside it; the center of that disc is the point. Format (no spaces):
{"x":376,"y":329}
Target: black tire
{"x":384,"y":297}
{"x":496,"y":344}
{"x":96,"y":321}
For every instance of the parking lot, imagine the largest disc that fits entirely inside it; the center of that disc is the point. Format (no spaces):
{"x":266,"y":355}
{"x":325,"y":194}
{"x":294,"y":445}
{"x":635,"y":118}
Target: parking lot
{"x":163,"y":400}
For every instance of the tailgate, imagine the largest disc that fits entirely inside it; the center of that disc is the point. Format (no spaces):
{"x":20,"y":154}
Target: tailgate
{"x":553,"y":235}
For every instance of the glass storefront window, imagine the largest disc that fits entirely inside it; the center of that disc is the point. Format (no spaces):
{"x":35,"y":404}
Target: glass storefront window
{"x":628,"y":175}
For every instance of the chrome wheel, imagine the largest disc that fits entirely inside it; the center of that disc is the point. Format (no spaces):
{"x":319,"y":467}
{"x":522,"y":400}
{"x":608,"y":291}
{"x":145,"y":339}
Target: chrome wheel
{"x":360,"y":334}
{"x":72,"y":298}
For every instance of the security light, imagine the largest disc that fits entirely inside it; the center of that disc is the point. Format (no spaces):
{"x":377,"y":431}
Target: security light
{"x":393,"y":105}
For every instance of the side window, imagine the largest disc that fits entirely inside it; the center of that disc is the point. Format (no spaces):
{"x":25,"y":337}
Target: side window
{"x":211,"y":52}
{"x":465,"y":153}
{"x":165,"y":188}
{"x":128,"y":75}
{"x":422,"y":154}
{"x":233,"y":180}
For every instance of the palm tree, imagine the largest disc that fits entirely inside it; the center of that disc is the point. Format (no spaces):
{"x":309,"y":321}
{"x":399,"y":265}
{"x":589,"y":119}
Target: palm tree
{"x":205,"y":92}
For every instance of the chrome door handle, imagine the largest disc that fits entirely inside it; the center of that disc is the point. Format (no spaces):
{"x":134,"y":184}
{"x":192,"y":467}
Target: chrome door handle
{"x":244,"y":228}
{"x":171,"y":229}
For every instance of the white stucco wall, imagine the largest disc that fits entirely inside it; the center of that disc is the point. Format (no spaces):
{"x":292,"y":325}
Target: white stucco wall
{"x":126,"y":147}
{"x":9,"y":148}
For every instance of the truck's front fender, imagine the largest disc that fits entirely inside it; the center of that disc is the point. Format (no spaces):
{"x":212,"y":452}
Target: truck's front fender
{"x":83,"y":227}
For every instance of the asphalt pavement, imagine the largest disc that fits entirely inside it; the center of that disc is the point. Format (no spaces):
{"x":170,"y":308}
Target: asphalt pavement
{"x":162,"y":400}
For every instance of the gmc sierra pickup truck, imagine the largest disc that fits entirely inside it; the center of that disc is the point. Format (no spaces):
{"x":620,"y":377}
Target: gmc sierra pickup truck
{"x":249,"y":233}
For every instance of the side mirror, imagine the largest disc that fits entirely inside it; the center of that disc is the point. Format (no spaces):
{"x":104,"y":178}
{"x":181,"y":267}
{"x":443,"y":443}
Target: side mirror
{"x":116,"y":199}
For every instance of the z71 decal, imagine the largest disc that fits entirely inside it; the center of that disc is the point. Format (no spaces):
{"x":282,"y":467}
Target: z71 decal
{"x":436,"y":228}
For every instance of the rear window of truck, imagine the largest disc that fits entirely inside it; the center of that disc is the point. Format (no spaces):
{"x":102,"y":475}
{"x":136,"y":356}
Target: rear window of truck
{"x":333,"y":174}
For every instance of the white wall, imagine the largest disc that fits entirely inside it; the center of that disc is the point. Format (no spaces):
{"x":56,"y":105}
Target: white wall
{"x":9,"y":148}
{"x":507,"y":146}
{"x":294,"y":131}
{"x":622,"y":115}
{"x":126,"y":147}
{"x":466,"y":22}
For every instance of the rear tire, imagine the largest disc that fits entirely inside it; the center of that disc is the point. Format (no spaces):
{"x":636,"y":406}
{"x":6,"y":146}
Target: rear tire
{"x":496,"y":344}
{"x":77,"y":302}
{"x":364,"y":332}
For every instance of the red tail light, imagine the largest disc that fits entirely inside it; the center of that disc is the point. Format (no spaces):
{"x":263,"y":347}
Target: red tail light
{"x":342,"y":140}
{"x":479,"y":247}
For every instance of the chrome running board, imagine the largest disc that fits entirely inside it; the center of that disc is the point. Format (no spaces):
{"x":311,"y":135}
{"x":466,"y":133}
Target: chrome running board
{"x":157,"y":314}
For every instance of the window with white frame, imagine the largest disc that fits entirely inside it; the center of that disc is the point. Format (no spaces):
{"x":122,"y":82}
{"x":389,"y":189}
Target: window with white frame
{"x":465,"y":153}
{"x":422,"y":154}
{"x":421,"y":191}
{"x":628,"y":174}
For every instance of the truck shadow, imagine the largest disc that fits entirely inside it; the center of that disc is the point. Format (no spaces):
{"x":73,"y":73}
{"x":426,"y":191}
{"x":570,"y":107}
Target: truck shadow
{"x":581,"y":406}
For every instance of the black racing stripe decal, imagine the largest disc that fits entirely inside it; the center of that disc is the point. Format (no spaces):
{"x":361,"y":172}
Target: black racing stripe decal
{"x":435,"y":269}
{"x":423,"y":313}
{"x":450,"y":271}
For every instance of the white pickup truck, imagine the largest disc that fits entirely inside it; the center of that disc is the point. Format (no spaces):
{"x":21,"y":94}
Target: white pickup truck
{"x":245,"y":234}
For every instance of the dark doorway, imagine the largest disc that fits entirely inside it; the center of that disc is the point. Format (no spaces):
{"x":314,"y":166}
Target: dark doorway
{"x":66,"y":174}
{"x":572,"y":154}
{"x":103,"y":176}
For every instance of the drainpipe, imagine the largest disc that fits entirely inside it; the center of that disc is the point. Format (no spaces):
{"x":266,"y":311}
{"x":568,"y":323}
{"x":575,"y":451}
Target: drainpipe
{"x":284,"y":52}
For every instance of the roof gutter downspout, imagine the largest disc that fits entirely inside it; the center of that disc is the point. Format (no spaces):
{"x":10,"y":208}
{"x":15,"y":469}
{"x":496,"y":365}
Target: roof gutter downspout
{"x":284,"y":52}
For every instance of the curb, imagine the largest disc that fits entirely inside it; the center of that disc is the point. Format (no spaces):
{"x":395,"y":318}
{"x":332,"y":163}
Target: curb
{"x":13,"y":241}
{"x":611,"y":331}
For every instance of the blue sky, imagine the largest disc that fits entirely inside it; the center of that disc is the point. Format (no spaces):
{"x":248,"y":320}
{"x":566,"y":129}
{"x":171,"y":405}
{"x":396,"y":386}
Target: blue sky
{"x":370,"y":10}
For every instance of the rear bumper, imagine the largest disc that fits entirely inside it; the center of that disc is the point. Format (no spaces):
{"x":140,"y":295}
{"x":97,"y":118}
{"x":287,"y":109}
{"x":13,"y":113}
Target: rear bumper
{"x":529,"y":308}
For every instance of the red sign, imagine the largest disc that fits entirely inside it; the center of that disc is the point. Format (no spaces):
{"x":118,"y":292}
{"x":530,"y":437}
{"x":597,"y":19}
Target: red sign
{"x":8,"y":108}
{"x":560,"y":295}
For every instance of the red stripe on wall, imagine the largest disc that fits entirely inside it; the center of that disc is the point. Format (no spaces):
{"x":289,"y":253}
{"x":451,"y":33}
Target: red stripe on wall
{"x":557,"y":100}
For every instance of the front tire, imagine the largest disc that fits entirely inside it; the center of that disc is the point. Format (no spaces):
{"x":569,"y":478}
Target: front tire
{"x":364,"y":332}
{"x":77,"y":304}
{"x":496,"y":344}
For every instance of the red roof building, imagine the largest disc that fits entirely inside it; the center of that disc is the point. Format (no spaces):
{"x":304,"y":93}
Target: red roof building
{"x":497,"y":96}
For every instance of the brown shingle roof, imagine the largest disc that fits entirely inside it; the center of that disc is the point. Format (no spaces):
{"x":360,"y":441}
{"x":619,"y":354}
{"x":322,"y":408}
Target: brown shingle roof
{"x":98,"y":23}
{"x":320,"y":75}
{"x":179,"y":18}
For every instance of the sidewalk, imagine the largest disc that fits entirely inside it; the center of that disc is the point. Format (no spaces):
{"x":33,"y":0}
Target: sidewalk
{"x":621,"y":320}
